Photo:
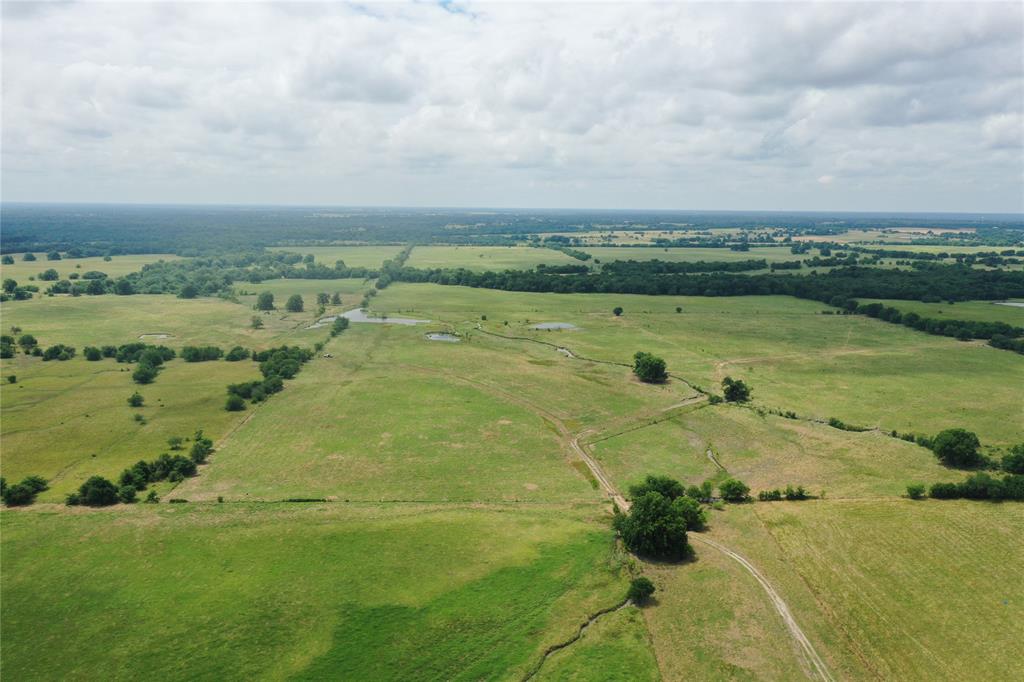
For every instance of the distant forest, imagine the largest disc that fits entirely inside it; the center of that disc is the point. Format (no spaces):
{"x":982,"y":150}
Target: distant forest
{"x":95,"y":229}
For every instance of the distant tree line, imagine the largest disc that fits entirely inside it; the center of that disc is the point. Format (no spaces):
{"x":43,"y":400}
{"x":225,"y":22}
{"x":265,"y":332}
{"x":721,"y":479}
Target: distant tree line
{"x":934,"y":282}
{"x":625,"y":268}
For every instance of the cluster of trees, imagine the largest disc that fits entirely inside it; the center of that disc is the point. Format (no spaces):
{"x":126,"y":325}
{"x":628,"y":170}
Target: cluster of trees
{"x":276,"y":365}
{"x":790,"y":493}
{"x":23,"y":493}
{"x":100,"y":492}
{"x":659,"y":518}
{"x":59,"y":352}
{"x":149,"y":359}
{"x":201,"y":353}
{"x":12,"y":292}
{"x":138,"y":352}
{"x":27,"y":342}
{"x":649,"y":368}
{"x":979,"y":486}
{"x":960,"y":329}
{"x":563,"y":269}
{"x":786,"y":265}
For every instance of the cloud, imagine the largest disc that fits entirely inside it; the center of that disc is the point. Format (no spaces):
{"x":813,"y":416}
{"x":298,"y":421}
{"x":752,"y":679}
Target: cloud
{"x":462,"y":103}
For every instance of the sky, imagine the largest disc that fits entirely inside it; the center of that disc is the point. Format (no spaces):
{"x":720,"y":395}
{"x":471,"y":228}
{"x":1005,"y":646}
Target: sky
{"x":825,"y":106}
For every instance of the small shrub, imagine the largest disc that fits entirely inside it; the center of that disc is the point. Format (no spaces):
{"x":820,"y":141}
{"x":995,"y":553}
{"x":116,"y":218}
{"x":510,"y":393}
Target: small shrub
{"x":916,"y":491}
{"x":234,"y":403}
{"x":136,"y":400}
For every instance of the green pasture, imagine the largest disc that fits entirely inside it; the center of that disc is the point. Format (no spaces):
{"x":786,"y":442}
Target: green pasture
{"x":354,"y":256}
{"x":115,"y":320}
{"x":67,"y":421}
{"x":768,"y":452}
{"x":351,"y":291}
{"x":980,"y":311}
{"x":863,"y":371}
{"x":301,"y":591}
{"x":482,"y":258}
{"x":393,"y":416}
{"x":116,"y":267}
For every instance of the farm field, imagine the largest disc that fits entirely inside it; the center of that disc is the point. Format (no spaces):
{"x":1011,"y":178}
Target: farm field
{"x":300,"y":591}
{"x":481,"y":258}
{"x":917,"y":591}
{"x":354,"y":256}
{"x":117,"y":265}
{"x":768,"y":452}
{"x":772,"y":254}
{"x":451,"y":470}
{"x":350,"y":290}
{"x":784,"y":348}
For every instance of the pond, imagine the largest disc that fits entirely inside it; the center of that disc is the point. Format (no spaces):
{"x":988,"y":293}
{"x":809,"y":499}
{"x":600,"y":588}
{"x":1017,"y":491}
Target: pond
{"x":554,"y":325}
{"x":440,"y":336}
{"x":359,"y":315}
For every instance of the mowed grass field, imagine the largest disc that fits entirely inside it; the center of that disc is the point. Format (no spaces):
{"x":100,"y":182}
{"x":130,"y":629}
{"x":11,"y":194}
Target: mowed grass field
{"x":914,"y":590}
{"x":116,"y":267}
{"x":863,"y":371}
{"x":314,"y":592}
{"x":483,"y":258}
{"x":354,"y":256}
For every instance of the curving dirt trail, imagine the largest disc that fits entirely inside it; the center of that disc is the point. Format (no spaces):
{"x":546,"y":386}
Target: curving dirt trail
{"x":811,"y":662}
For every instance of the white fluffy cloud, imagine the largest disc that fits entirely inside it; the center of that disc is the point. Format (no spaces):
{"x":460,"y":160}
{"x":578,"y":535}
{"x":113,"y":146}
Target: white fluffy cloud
{"x":812,"y":106}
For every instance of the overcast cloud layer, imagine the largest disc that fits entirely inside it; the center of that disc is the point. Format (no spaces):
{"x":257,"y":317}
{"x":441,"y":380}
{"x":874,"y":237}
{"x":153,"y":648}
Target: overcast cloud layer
{"x":853,"y":107}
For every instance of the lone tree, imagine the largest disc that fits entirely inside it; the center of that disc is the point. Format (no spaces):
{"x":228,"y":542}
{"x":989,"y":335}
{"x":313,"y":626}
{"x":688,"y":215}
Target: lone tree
{"x":957,"y":448}
{"x":616,"y":311}
{"x":649,"y":368}
{"x":733,"y":490}
{"x":336,"y":299}
{"x":654,"y":527}
{"x":294,"y":304}
{"x":640,"y":590}
{"x":257,"y":322}
{"x":136,"y":399}
{"x":265,"y":301}
{"x":735,"y":390}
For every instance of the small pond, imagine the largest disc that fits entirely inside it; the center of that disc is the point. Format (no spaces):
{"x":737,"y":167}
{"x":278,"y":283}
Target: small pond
{"x":440,"y":336}
{"x":1015,"y":304}
{"x":359,"y":315}
{"x":554,"y":325}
